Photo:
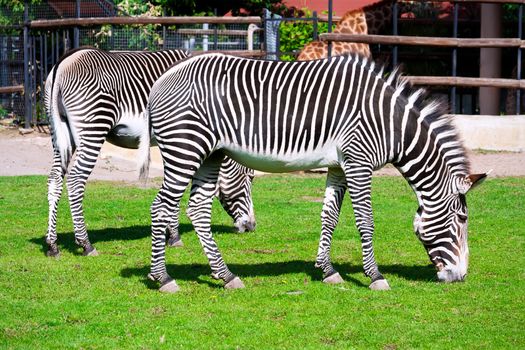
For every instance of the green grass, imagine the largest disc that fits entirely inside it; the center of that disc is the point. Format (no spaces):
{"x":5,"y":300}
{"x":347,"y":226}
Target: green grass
{"x":107,"y":302}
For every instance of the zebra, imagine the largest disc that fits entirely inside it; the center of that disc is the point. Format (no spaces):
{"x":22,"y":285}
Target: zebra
{"x":92,"y":96}
{"x":340,"y":113}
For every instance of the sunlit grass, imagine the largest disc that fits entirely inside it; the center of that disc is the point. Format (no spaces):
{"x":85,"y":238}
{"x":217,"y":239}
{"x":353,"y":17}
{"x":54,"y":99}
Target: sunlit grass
{"x":107,"y":302}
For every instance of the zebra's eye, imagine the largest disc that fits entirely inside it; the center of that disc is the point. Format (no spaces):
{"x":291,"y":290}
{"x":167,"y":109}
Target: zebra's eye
{"x":462,"y":217}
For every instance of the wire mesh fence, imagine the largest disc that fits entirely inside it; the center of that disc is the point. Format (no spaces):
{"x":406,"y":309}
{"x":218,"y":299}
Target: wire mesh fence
{"x":68,"y":9}
{"x":11,"y":72}
{"x":45,"y":45}
{"x":199,"y":37}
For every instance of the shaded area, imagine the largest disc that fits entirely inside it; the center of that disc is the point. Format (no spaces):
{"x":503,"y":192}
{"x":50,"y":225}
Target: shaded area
{"x":66,"y":241}
{"x":195,"y":272}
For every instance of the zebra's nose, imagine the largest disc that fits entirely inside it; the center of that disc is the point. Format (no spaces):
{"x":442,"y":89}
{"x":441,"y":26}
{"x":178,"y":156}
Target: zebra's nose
{"x":448,"y":275}
{"x":245,"y":225}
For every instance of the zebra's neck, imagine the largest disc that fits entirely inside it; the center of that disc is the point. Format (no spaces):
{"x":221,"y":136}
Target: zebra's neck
{"x":431,"y":156}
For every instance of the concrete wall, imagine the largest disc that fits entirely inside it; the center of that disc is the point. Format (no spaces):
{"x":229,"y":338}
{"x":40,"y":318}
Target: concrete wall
{"x":505,"y":133}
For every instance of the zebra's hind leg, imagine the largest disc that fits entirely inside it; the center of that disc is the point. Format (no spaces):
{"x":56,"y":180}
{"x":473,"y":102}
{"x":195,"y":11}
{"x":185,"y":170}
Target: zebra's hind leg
{"x":359,"y":181}
{"x":85,"y":159}
{"x":54,"y":192}
{"x":333,"y":199}
{"x":165,"y":207}
{"x":199,"y":211}
{"x":174,"y":239}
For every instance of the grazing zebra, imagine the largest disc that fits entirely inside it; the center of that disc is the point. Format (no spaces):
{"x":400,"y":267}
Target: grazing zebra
{"x":338,"y":113}
{"x":93,"y":96}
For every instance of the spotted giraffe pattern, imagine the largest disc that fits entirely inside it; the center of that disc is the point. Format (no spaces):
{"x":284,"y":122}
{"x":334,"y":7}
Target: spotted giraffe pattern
{"x":367,"y":20}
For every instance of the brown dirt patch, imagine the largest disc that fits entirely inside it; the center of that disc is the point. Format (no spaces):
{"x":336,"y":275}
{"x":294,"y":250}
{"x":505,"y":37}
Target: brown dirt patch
{"x":31,"y":154}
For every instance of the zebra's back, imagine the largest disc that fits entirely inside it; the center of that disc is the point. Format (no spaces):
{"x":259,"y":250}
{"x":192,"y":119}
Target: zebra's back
{"x":288,"y":115}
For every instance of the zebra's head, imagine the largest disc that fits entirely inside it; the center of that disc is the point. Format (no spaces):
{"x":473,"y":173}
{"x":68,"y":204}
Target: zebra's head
{"x":442,"y":228}
{"x":235,"y":194}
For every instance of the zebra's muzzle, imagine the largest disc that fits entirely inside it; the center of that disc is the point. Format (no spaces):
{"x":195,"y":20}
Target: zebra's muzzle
{"x":448,"y":275}
{"x":245,"y":224}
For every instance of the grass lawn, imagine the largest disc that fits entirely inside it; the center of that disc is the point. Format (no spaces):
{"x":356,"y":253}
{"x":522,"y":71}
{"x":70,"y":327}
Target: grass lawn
{"x":107,"y":302}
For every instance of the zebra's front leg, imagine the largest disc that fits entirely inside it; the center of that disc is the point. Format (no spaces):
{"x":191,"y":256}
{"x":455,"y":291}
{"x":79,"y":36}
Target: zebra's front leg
{"x":199,"y":211}
{"x":359,"y":181}
{"x":54,"y":192}
{"x":333,"y":199}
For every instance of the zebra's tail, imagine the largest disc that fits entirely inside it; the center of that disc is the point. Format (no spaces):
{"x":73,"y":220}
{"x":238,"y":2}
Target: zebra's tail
{"x":144,"y":148}
{"x":61,"y":133}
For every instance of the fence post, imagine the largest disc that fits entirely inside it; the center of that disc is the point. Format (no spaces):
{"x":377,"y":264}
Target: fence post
{"x":454,"y":59}
{"x":215,"y":35}
{"x":164,"y":31}
{"x":249,"y":35}
{"x":315,"y":36}
{"x":490,"y":58}
{"x":205,"y":26}
{"x":330,"y":7}
{"x":394,"y":32}
{"x":76,"y":31}
{"x":27,"y":83}
{"x":518,"y":64}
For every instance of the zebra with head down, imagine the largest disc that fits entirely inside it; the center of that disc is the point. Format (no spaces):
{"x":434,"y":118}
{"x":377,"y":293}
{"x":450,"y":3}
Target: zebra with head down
{"x":339,"y":113}
{"x":92,"y":96}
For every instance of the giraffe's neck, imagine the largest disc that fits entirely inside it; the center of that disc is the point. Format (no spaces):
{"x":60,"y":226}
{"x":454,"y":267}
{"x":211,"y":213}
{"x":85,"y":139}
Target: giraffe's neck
{"x":378,"y":16}
{"x":353,"y":22}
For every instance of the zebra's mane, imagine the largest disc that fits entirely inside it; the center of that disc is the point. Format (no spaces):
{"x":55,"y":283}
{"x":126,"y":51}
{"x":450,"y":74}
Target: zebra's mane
{"x":434,"y":111}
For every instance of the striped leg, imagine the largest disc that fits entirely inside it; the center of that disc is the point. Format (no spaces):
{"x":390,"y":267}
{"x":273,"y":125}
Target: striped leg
{"x":54,"y":192}
{"x":165,"y":207}
{"x":359,"y":179}
{"x":199,"y":211}
{"x":333,"y":199}
{"x":173,"y":232}
{"x":85,"y":159}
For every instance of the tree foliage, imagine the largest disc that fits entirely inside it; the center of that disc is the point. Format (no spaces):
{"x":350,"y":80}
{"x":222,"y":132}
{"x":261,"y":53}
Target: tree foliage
{"x":236,"y":7}
{"x":294,"y":35}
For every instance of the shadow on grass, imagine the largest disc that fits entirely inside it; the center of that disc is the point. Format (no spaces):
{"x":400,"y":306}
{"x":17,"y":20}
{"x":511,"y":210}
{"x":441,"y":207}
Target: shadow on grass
{"x":194,"y":272}
{"x":66,"y":241}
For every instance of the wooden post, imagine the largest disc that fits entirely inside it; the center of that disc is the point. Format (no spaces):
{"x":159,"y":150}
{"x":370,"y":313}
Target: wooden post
{"x":330,"y":14}
{"x":490,"y":58}
{"x":76,"y":31}
{"x":28,"y":110}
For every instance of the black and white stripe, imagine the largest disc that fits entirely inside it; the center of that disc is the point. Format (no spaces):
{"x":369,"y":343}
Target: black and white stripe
{"x":338,"y":113}
{"x":93,"y":96}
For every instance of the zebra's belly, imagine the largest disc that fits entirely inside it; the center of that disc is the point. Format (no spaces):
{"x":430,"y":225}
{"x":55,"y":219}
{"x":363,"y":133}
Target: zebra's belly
{"x":279,"y":163}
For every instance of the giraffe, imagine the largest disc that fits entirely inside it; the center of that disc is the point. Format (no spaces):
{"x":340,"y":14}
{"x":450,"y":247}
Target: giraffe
{"x":367,"y":20}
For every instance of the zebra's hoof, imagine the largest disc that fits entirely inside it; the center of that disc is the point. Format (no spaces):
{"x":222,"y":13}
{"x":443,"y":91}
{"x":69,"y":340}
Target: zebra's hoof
{"x":53,"y":253}
{"x":92,"y":252}
{"x":381,"y":284}
{"x":170,"y":287}
{"x":175,"y":242}
{"x":334,"y":279}
{"x":235,"y":283}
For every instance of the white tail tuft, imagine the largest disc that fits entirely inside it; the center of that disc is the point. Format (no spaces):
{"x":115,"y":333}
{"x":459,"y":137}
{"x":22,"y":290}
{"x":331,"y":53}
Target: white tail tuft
{"x":144,"y":148}
{"x":60,"y":131}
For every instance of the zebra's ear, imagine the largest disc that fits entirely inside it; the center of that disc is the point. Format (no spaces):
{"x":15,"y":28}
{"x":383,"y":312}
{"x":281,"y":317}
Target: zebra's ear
{"x":471,"y":181}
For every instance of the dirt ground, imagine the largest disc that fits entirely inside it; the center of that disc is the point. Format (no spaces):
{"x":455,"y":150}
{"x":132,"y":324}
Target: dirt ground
{"x":31,"y":154}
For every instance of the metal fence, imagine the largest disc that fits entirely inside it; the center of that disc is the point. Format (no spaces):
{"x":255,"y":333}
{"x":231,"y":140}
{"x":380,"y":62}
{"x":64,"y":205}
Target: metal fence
{"x":11,"y":71}
{"x":53,"y":27}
